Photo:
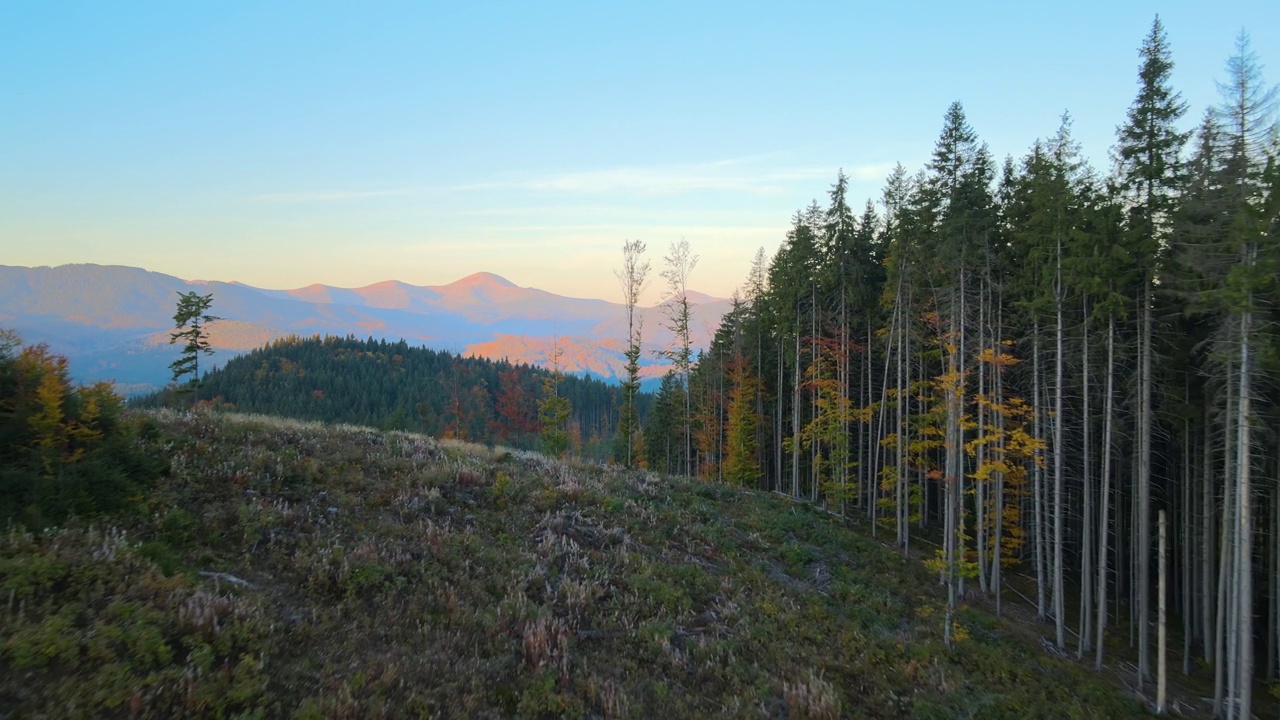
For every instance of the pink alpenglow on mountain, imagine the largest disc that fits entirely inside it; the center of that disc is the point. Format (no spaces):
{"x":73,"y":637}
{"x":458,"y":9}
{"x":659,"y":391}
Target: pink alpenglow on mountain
{"x":114,"y":320}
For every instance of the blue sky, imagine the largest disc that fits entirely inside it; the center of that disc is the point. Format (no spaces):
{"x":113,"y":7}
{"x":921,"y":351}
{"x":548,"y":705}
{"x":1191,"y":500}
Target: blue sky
{"x":281,"y":144}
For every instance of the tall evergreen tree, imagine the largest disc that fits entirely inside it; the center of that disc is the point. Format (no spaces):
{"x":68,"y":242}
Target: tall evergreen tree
{"x":959,"y":192}
{"x":1136,"y":315}
{"x":1246,"y":117}
{"x":1148,"y":155}
{"x":664,"y":440}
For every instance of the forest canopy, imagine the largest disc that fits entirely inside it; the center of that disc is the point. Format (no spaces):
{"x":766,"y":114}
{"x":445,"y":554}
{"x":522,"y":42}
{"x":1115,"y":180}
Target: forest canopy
{"x":397,"y":386}
{"x":1034,"y":361}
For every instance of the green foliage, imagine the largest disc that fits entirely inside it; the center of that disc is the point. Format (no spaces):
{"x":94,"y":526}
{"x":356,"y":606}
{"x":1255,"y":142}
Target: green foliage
{"x":191,"y":320}
{"x":742,"y":452}
{"x":664,"y":445}
{"x":1016,"y":356}
{"x":1148,"y":148}
{"x":396,"y":386}
{"x":553,"y":417}
{"x":64,"y":450}
{"x":94,"y":628}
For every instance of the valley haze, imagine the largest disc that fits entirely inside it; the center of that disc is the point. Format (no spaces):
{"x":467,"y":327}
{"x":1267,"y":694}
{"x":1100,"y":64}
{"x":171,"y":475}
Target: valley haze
{"x":113,"y":321}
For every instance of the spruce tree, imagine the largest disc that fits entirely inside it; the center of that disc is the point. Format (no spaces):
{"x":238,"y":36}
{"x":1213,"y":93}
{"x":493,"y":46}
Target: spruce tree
{"x":1246,"y":117}
{"x":191,"y":320}
{"x":1148,"y":167}
{"x":554,"y":410}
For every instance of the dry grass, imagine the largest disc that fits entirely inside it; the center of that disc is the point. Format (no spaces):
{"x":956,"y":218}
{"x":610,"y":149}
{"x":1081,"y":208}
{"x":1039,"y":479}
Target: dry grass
{"x":390,"y":575}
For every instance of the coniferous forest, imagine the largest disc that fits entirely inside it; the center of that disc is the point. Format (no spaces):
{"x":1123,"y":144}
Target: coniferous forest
{"x":1060,"y":379}
{"x":1056,"y":384}
{"x":397,"y":386}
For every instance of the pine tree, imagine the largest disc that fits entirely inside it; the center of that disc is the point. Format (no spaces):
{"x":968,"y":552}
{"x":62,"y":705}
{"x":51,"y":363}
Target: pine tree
{"x":1137,"y":317}
{"x":1246,"y":118}
{"x":663,"y":434}
{"x":554,"y":410}
{"x":191,"y":320}
{"x":1148,"y":157}
{"x":958,"y":191}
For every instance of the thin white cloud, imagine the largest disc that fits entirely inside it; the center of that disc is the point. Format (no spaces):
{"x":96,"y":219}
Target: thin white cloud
{"x":871,"y":173}
{"x":755,"y":175}
{"x":332,"y":195}
{"x":613,"y":229}
{"x":743,"y":175}
{"x":660,"y":181}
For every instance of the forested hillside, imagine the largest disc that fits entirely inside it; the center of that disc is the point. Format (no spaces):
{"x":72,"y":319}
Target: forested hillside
{"x":394,"y":385}
{"x":1038,"y":363}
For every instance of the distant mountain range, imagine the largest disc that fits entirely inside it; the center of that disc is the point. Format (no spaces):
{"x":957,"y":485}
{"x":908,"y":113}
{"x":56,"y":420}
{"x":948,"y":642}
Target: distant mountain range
{"x":113,"y":322}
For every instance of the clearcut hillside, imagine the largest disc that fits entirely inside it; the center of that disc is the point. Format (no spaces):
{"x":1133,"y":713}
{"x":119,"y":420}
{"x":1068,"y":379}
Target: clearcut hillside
{"x":283,"y":569}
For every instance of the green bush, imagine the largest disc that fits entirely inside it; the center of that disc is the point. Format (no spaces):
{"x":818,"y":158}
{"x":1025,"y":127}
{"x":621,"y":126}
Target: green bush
{"x":65,"y":450}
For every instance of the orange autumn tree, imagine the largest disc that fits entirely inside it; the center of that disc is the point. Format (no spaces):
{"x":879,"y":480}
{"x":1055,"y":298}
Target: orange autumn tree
{"x":516,"y":412}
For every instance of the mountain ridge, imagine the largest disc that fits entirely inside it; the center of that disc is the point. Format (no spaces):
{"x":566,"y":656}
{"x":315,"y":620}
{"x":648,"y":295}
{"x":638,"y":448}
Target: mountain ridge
{"x":115,"y":319}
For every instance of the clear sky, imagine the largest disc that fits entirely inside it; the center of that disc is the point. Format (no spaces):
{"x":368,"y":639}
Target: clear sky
{"x":281,"y":144}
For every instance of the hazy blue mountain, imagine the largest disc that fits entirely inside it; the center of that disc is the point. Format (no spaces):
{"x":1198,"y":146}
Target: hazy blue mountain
{"x":114,"y":321}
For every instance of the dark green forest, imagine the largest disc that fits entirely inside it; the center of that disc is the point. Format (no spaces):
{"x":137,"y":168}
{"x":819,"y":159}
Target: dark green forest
{"x":1061,"y":379}
{"x":397,"y":386}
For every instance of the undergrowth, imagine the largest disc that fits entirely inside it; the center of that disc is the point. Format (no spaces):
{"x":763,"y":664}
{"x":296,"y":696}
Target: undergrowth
{"x":283,"y":569}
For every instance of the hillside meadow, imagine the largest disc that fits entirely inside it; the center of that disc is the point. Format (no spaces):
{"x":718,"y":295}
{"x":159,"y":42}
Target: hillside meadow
{"x":283,"y":569}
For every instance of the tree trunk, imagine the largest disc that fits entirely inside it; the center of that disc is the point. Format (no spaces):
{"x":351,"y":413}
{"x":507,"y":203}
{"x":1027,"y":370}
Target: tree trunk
{"x":1208,"y":512}
{"x":1037,"y":485}
{"x":904,"y":399}
{"x":1059,"y":615}
{"x":1105,"y":497}
{"x":1161,"y":620}
{"x":1142,"y":583}
{"x":777,"y":418}
{"x":997,"y":555}
{"x":795,"y":419}
{"x":980,"y":485}
{"x":1086,"y":534}
{"x":1187,"y":576}
{"x":1224,"y":655}
{"x":1244,"y":526}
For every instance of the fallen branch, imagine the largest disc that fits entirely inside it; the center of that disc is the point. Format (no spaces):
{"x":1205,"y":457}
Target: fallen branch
{"x":228,"y":577}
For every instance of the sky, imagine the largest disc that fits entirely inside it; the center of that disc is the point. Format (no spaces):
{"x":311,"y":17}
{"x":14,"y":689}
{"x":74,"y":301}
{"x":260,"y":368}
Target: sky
{"x":285,"y":144}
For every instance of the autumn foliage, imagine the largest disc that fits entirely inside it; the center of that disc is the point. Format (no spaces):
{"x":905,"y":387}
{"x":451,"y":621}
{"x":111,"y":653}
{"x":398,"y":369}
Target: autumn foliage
{"x":63,"y":449}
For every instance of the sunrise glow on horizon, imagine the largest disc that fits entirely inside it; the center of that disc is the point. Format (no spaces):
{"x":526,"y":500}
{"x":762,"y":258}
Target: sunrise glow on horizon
{"x":346,"y":145}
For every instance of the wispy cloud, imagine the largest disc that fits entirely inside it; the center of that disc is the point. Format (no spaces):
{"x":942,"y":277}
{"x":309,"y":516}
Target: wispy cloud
{"x":874,"y":172}
{"x":753,"y":175}
{"x":758,"y":175}
{"x":333,"y":195}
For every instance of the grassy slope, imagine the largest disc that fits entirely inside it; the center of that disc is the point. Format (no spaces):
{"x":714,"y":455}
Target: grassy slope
{"x":395,"y":576}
